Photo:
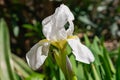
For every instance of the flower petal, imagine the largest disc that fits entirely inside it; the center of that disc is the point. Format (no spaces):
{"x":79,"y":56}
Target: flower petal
{"x":67,"y":12}
{"x":47,"y":27}
{"x":70,"y":29}
{"x":37,"y":55}
{"x":53,"y":26}
{"x":81,"y":52}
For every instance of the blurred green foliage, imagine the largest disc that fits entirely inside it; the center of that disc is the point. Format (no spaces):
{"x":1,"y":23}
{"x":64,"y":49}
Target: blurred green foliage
{"x":15,"y":68}
{"x":23,"y":18}
{"x":11,"y":66}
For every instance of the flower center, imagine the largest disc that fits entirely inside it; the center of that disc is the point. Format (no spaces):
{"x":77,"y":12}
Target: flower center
{"x":62,"y":43}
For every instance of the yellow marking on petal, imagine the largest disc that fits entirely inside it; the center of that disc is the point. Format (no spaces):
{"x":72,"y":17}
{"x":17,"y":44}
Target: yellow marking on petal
{"x":59,"y":44}
{"x":43,"y":41}
{"x":71,"y":37}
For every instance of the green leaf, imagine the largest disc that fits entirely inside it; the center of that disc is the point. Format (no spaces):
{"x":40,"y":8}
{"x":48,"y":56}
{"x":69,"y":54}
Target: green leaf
{"x":29,"y":26}
{"x":35,"y":76}
{"x":6,"y":65}
{"x":73,"y":62}
{"x":118,"y":66}
{"x":80,"y":72}
{"x":86,"y":20}
{"x":96,"y":76}
{"x":62,"y":77}
{"x":87,"y":42}
{"x":21,"y":66}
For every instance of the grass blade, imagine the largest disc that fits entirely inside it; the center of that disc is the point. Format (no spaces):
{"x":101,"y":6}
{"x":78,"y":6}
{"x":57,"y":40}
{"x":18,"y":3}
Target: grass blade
{"x":7,"y":72}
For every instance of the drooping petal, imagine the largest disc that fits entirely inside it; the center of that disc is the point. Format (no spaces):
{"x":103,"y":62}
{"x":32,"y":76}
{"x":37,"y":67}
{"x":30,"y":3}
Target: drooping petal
{"x":53,"y":26}
{"x":37,"y":55}
{"x":81,"y":52}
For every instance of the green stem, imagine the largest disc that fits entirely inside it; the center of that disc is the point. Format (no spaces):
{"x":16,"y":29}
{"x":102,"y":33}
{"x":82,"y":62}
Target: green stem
{"x":65,"y":65}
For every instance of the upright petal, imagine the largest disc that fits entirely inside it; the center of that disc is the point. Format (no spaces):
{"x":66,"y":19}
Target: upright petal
{"x":47,"y":27}
{"x":70,"y":29}
{"x":62,"y":16}
{"x":37,"y":55}
{"x":81,"y":52}
{"x":53,"y":26}
{"x":67,"y":12}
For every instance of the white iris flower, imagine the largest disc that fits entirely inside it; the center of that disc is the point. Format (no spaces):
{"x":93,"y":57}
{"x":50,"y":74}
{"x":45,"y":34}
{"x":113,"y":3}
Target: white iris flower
{"x":57,"y":35}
